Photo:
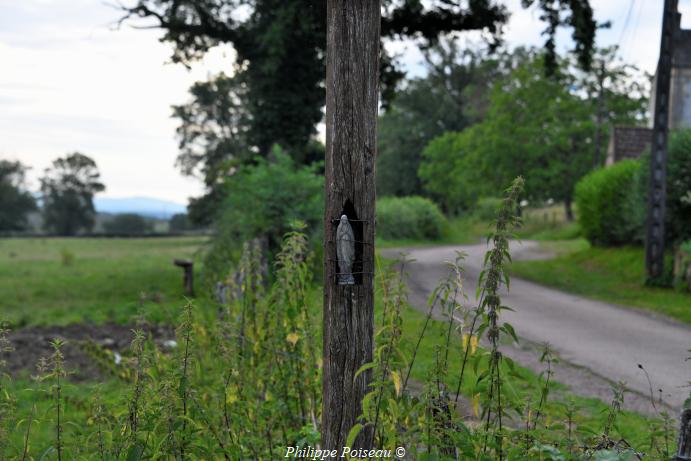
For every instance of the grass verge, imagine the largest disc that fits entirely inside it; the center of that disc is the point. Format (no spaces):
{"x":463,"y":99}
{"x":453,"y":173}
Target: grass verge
{"x":614,"y":275}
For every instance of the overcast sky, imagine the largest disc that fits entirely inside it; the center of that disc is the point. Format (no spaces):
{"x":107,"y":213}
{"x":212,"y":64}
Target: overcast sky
{"x":70,"y":81}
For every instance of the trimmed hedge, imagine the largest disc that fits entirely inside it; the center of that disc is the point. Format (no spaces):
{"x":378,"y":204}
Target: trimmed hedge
{"x":611,"y":209}
{"x":409,"y":218}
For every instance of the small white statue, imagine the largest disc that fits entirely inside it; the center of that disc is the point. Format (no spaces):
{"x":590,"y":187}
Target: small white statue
{"x":345,"y":251}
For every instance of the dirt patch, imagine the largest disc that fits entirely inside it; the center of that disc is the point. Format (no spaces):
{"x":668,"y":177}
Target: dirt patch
{"x":32,"y":343}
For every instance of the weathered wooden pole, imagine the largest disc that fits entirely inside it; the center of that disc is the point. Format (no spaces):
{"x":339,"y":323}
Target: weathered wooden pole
{"x":657,"y":188}
{"x":684,"y":441}
{"x":352,"y":91}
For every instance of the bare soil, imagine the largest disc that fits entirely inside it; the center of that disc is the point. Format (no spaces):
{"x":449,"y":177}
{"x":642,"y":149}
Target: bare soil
{"x":32,"y":343}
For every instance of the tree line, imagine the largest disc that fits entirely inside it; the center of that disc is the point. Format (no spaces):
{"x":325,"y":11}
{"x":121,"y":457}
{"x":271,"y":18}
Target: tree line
{"x":65,"y":201}
{"x":67,"y":190}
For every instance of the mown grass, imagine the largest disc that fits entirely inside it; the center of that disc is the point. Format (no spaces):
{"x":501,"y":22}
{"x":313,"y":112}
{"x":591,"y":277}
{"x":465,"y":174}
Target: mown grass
{"x":614,"y":275}
{"x":61,"y":280}
{"x":458,"y":231}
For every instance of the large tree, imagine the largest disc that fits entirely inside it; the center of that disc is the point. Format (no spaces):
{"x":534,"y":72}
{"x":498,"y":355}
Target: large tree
{"x":280,"y":47}
{"x":452,"y":95}
{"x":15,"y":201}
{"x":214,"y":140}
{"x":618,"y":94}
{"x":538,"y":126}
{"x":68,"y":189}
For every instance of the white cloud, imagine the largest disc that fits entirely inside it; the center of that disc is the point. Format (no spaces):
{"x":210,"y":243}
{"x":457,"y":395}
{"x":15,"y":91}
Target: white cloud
{"x":73,"y":83}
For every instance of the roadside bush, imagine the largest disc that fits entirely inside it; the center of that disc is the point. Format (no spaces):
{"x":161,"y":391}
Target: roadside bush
{"x":611,"y":209}
{"x":486,"y":208}
{"x":448,"y":170}
{"x":678,"y":203}
{"x":262,"y":202}
{"x":409,"y":218}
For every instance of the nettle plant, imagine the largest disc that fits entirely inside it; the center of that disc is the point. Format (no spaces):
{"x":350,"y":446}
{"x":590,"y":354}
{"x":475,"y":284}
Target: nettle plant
{"x":245,"y":381}
{"x":244,"y":384}
{"x":506,"y":424}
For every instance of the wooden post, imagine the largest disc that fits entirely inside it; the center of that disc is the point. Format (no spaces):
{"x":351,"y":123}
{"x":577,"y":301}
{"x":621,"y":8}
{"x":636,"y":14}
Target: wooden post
{"x":684,"y":442}
{"x":598,"y":114}
{"x":657,"y":188}
{"x":188,"y":274}
{"x":352,"y":91}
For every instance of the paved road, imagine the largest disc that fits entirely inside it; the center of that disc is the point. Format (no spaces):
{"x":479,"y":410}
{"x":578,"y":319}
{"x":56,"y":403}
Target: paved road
{"x":599,"y":339}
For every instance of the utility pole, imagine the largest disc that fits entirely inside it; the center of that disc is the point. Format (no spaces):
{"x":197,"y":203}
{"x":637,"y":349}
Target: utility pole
{"x":352,"y":92}
{"x":657,"y":188}
{"x":598,"y":115}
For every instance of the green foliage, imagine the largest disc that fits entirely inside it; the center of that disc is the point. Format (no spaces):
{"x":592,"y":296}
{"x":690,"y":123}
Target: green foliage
{"x":538,"y":127}
{"x":212,"y":135}
{"x":611,"y":211}
{"x":15,"y":201}
{"x":244,"y":381}
{"x":535,"y":127}
{"x":128,"y":224}
{"x":487,"y":208}
{"x":678,"y":203}
{"x":409,"y":218}
{"x":280,"y":49}
{"x":451,"y":96}
{"x":68,"y":190}
{"x":262,"y":202}
{"x":450,"y":169}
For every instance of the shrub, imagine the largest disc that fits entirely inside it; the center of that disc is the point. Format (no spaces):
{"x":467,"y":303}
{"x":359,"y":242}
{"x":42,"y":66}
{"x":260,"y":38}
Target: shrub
{"x":487,"y":208}
{"x":409,"y":218}
{"x":611,"y":209}
{"x":263,"y":201}
{"x":678,"y":203}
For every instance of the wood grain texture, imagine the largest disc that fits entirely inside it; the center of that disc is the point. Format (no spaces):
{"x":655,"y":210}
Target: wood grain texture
{"x":351,"y":141}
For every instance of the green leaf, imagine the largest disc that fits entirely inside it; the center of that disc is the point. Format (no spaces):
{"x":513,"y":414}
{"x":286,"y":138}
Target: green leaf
{"x":135,"y":452}
{"x":364,"y":368}
{"x":354,"y":431}
{"x":509,"y":329}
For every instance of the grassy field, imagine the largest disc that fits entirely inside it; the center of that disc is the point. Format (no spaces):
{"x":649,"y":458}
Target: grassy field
{"x":58,"y":281}
{"x":63,"y":280}
{"x":613,"y":275}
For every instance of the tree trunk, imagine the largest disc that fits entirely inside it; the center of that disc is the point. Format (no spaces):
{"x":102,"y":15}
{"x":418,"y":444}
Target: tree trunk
{"x":352,"y":57}
{"x":568,"y":209}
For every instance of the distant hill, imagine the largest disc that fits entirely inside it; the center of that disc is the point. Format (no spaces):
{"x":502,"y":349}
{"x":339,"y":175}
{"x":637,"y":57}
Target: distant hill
{"x":145,"y":206}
